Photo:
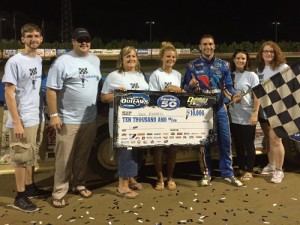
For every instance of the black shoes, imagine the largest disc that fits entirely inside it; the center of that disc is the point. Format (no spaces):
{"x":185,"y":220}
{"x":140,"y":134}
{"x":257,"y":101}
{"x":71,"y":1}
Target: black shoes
{"x":25,"y":204}
{"x":37,"y":193}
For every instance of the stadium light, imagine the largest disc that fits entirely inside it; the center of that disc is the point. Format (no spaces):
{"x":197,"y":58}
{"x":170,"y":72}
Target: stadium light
{"x":1,"y":20}
{"x":150,"y":28}
{"x":276,"y":23}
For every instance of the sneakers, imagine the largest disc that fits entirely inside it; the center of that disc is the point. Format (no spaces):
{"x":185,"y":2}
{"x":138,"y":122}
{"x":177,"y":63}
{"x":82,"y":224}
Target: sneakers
{"x":277,"y":177}
{"x":268,"y":170}
{"x":205,"y":181}
{"x":234,"y":181}
{"x":24,"y":204}
{"x":36,"y":193}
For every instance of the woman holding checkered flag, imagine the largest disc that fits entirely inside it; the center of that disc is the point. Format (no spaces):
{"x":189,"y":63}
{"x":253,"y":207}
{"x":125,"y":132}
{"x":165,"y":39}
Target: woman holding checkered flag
{"x":271,"y":60}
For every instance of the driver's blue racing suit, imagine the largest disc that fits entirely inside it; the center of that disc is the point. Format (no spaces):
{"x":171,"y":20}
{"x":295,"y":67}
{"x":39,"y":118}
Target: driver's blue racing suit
{"x":213,"y":77}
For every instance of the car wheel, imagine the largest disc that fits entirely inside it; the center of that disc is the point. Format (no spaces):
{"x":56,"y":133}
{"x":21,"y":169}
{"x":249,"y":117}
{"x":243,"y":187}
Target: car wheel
{"x":292,"y":151}
{"x":101,"y":160}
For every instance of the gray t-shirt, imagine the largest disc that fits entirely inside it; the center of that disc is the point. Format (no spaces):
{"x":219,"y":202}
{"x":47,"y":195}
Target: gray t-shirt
{"x":25,"y":72}
{"x":76,"y":79}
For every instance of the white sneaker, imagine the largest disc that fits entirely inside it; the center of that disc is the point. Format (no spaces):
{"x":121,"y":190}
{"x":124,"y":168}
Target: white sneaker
{"x":267,"y":170}
{"x":234,"y":181}
{"x":277,"y":177}
{"x":205,"y":181}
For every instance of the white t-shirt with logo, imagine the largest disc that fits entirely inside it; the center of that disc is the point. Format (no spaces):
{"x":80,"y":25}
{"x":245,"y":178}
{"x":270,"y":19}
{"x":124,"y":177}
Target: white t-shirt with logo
{"x":159,"y":79}
{"x":25,"y":72}
{"x":130,"y":81}
{"x":240,"y":113}
{"x":269,"y":72}
{"x":76,"y":79}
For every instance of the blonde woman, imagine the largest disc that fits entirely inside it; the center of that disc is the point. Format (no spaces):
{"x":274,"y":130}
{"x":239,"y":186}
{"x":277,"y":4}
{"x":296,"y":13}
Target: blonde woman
{"x":127,"y":77}
{"x":165,"y":79}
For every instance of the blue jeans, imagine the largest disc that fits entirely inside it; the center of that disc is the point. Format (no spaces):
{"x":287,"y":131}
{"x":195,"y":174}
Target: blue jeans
{"x":129,"y":162}
{"x":224,"y":144}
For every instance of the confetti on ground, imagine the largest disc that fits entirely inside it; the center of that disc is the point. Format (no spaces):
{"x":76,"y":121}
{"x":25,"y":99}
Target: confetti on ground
{"x":181,"y":203}
{"x":294,"y":199}
{"x":59,"y":216}
{"x":140,"y":221}
{"x":153,"y":208}
{"x":265,"y":222}
{"x":274,"y":204}
{"x":191,"y":208}
{"x":87,"y":212}
{"x":91,"y":218}
{"x":72,"y":220}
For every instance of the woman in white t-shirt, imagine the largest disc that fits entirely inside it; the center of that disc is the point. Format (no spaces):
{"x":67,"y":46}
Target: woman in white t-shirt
{"x":271,"y":60}
{"x":165,"y":79}
{"x":244,"y":115}
{"x":127,"y":77}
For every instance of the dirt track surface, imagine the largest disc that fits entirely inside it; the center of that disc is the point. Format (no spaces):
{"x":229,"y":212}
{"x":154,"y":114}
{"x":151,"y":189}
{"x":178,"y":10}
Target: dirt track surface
{"x":258,"y":202}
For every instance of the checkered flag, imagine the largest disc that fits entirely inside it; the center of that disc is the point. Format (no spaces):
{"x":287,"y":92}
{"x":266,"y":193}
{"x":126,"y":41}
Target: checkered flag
{"x":82,"y":73}
{"x":280,"y":99}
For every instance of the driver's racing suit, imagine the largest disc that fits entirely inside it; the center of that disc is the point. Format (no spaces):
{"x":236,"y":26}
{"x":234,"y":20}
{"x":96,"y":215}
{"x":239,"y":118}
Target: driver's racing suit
{"x":214,"y":77}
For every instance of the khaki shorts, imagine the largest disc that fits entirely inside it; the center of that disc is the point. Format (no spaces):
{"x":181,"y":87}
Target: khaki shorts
{"x":22,"y":151}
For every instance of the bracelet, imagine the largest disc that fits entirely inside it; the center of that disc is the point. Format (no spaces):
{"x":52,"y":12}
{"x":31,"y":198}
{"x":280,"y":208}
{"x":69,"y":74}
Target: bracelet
{"x":53,"y":115}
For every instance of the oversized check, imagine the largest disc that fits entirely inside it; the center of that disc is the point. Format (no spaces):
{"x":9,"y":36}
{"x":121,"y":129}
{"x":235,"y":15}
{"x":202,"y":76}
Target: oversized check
{"x":148,"y":119}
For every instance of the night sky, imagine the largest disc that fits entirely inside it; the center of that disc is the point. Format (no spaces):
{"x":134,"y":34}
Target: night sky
{"x":229,"y":21}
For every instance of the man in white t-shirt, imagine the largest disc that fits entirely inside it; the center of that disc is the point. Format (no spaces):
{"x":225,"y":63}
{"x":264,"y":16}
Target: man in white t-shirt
{"x":72,"y":87}
{"x":22,"y":78}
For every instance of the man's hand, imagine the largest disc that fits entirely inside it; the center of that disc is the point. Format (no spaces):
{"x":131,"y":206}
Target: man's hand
{"x":55,"y":122}
{"x":19,"y":131}
{"x":193,"y":83}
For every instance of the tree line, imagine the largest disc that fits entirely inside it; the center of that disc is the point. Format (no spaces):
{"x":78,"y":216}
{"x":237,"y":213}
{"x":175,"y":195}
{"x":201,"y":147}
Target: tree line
{"x":97,"y":43}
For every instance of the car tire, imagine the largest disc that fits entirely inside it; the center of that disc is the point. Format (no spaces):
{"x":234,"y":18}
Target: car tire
{"x":292,"y":151}
{"x":100,"y":160}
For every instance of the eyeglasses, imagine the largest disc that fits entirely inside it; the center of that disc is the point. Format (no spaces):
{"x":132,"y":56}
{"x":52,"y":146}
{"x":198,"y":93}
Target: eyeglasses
{"x":268,"y":52}
{"x":81,"y":40}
